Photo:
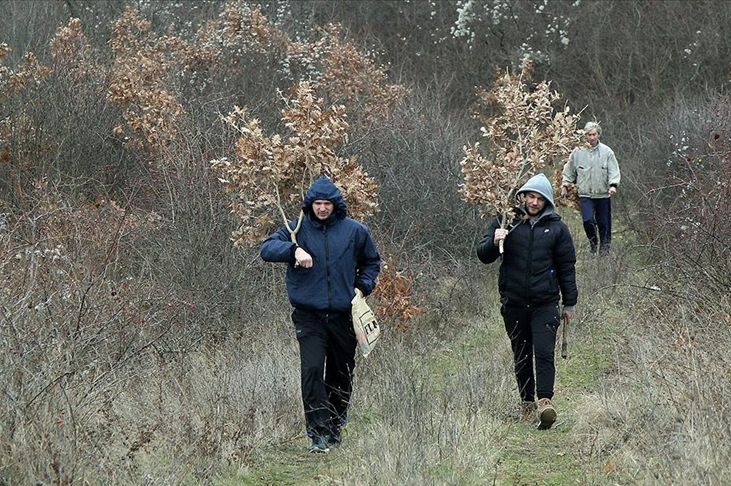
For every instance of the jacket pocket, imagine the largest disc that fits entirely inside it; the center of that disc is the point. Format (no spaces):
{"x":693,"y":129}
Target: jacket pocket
{"x":348,"y":250}
{"x":554,"y":280}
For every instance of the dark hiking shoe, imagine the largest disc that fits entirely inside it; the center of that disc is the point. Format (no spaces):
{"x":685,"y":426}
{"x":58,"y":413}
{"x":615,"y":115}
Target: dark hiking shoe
{"x":527,"y":411}
{"x":546,"y":414}
{"x":333,"y":440}
{"x":334,"y":433}
{"x":319,"y":445}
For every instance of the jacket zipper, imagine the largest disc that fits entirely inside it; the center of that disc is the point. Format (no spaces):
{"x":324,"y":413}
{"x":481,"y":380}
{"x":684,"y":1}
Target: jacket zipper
{"x":530,"y":264}
{"x":327,"y":268}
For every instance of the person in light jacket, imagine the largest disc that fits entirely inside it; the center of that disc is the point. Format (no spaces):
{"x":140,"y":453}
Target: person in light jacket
{"x":537,"y":277}
{"x":595,"y":171}
{"x":334,"y":258}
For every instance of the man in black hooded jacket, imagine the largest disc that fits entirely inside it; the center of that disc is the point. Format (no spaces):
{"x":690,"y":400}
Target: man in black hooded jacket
{"x":538,"y":268}
{"x":334,"y":258}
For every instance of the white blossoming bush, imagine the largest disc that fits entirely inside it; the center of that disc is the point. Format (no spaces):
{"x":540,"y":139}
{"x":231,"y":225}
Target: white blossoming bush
{"x":542,"y":25}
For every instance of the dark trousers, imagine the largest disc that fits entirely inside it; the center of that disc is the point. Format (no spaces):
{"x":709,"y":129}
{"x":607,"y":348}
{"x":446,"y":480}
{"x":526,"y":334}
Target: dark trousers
{"x":327,"y":358}
{"x":597,"y":213}
{"x":532,"y":333}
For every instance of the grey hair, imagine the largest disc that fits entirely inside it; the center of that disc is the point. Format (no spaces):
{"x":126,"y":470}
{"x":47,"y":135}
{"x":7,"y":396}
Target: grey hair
{"x":593,"y":126}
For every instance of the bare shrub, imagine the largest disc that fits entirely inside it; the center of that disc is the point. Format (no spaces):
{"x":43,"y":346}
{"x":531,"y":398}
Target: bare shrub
{"x":192,"y":252}
{"x":694,"y":57}
{"x":414,"y":156}
{"x":46,"y":132}
{"x":16,"y":123}
{"x":683,"y":196}
{"x":75,"y":323}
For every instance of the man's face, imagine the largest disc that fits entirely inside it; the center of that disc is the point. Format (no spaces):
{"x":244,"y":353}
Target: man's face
{"x":592,"y":137}
{"x":534,"y":203}
{"x":322,"y":208}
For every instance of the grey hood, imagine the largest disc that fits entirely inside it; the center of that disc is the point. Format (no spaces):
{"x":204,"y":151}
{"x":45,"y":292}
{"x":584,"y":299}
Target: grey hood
{"x":539,"y":183}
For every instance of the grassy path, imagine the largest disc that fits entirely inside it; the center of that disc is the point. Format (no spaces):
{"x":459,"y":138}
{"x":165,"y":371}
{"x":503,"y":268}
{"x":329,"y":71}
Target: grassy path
{"x":552,"y":457}
{"x":525,"y":455}
{"x":499,"y":450}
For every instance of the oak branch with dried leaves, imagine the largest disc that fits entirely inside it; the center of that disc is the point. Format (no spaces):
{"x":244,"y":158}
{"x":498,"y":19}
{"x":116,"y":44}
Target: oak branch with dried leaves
{"x":270,"y":174}
{"x":524,"y":134}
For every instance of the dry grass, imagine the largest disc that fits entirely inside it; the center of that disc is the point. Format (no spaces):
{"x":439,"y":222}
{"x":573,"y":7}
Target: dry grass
{"x":138,"y":347}
{"x":165,"y":400}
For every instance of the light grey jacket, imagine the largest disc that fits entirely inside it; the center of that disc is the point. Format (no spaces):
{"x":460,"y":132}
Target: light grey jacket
{"x":593,"y":170}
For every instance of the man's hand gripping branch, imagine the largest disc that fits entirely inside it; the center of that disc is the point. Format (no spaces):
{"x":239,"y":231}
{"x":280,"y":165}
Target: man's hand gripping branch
{"x":303,"y":259}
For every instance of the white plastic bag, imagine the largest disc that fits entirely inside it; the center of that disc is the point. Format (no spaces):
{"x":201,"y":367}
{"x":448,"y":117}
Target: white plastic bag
{"x":367,"y":330}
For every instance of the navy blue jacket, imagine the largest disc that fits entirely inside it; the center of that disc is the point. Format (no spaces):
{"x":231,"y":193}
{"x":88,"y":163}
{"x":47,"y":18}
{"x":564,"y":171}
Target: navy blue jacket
{"x":344,"y":255}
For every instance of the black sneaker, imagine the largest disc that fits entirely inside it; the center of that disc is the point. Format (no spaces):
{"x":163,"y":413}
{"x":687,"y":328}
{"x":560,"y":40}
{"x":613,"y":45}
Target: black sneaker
{"x":319,"y":445}
{"x":333,"y":440}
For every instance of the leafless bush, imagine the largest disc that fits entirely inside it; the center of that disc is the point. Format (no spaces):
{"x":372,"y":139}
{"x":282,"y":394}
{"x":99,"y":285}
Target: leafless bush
{"x":684,"y":191}
{"x":414,"y":156}
{"x":59,"y":127}
{"x":191,"y":250}
{"x":75,"y":324}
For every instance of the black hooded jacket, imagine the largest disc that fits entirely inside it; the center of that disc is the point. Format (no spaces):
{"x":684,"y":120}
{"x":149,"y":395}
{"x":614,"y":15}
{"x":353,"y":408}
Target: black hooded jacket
{"x":538,"y":262}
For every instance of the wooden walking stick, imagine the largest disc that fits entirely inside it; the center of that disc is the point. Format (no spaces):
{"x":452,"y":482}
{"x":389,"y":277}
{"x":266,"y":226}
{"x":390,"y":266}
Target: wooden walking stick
{"x":564,"y":338}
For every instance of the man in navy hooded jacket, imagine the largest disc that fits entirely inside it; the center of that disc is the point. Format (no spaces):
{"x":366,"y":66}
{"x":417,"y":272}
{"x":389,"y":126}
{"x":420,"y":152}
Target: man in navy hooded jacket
{"x":538,"y":268}
{"x":334,"y":258}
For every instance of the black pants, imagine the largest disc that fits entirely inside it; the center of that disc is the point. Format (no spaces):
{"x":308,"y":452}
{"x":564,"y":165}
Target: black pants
{"x":532,"y":333}
{"x":327,"y":358}
{"x":597,"y":213}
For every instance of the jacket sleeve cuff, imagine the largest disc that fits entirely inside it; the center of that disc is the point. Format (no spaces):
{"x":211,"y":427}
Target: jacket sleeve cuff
{"x":292,"y":250}
{"x":569,"y":308}
{"x":365,"y":289}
